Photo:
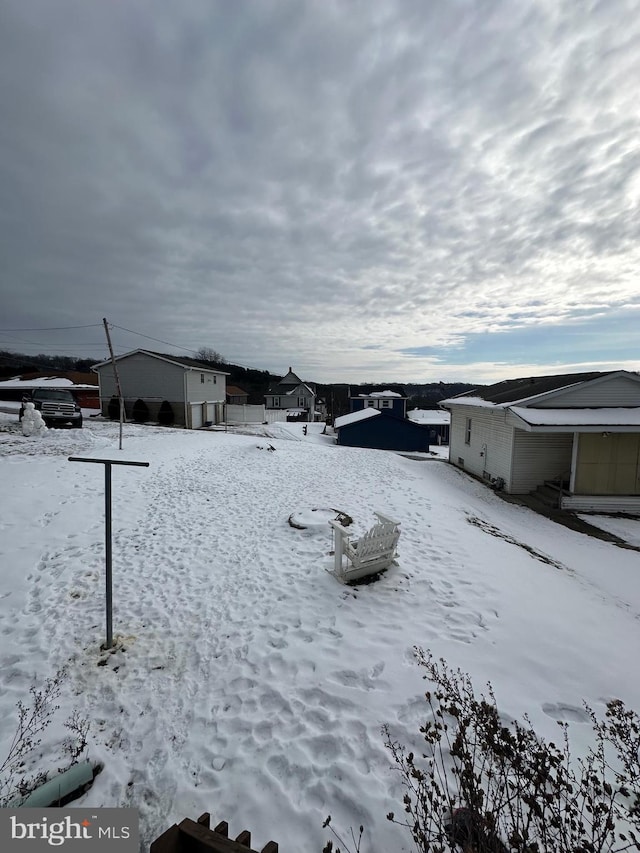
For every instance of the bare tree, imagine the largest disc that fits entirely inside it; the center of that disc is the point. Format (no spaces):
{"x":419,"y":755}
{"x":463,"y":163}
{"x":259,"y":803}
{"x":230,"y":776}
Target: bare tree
{"x":210,"y":354}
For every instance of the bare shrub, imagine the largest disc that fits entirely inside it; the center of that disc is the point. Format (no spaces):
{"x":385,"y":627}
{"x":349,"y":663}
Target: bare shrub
{"x":486,"y":786}
{"x":34,"y":717}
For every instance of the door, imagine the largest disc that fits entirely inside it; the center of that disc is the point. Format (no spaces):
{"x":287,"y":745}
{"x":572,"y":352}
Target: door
{"x":608,"y":464}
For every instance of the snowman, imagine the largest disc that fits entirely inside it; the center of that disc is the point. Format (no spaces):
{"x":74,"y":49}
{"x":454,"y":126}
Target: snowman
{"x":32,"y":423}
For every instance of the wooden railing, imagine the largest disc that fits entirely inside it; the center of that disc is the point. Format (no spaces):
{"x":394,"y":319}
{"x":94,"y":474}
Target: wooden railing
{"x":191,"y":836}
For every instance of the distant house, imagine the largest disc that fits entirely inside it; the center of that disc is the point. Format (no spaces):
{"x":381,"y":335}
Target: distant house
{"x":165,"y":388}
{"x":579,"y":433}
{"x":295,"y":397}
{"x":236,"y":396}
{"x":437,"y":420}
{"x":378,"y":428}
{"x":391,"y":399}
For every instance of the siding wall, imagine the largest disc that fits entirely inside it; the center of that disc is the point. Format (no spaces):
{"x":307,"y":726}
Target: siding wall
{"x":143,"y":376}
{"x":538,"y":457}
{"x":213,"y":389}
{"x":618,"y":391}
{"x":490,"y":434}
{"x":601,"y":503}
{"x":385,"y":433}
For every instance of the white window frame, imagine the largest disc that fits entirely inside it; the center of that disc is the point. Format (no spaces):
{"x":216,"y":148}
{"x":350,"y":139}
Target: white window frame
{"x":467,"y":431}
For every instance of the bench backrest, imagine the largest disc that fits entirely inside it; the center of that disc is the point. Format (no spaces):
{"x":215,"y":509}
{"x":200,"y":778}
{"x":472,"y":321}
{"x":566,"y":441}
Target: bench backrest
{"x":381,"y":539}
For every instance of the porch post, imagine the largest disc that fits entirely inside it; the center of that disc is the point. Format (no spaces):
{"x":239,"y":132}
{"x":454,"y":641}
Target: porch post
{"x":574,"y":462}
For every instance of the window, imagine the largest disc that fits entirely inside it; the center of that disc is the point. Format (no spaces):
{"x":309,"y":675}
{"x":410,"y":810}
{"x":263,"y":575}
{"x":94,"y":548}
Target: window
{"x":467,"y":431}
{"x":215,"y":380}
{"x":386,"y":404}
{"x":276,"y":402}
{"x":202,"y":378}
{"x":371,"y":404}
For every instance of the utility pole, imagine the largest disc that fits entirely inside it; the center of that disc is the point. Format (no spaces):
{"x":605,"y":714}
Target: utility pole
{"x":117,"y":378}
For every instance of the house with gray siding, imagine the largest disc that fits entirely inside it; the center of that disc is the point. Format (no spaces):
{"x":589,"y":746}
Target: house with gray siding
{"x":164,"y":388}
{"x":579,"y":433}
{"x":294,"y":397}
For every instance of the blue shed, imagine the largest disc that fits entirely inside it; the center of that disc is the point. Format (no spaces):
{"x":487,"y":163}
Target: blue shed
{"x":376,"y":428}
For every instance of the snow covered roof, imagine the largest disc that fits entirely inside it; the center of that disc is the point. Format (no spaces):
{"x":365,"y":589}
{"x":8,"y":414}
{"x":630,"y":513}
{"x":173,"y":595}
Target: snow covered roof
{"x":429,"y":416}
{"x":362,"y":415}
{"x":380,"y":390}
{"x":599,"y":419}
{"x":44,"y":382}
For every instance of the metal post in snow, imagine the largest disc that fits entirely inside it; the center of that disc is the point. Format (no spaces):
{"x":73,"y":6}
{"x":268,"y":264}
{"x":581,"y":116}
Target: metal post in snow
{"x":107,"y":532}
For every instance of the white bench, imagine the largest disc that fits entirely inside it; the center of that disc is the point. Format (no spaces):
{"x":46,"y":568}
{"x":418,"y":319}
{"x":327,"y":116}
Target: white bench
{"x":372,"y":553}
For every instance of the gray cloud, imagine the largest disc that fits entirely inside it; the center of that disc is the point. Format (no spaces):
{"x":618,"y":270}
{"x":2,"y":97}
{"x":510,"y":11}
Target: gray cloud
{"x":293,"y":183}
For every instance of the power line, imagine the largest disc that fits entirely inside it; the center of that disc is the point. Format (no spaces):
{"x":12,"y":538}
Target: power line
{"x":54,"y":328}
{"x":158,"y":340}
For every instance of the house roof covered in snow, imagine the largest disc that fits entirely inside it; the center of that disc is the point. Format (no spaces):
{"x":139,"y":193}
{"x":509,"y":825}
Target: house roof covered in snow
{"x":354,"y":417}
{"x":578,"y":419}
{"x":378,"y":391}
{"x":429,"y":416}
{"x":45,"y":382}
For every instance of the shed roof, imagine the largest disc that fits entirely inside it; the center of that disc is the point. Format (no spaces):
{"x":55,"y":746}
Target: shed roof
{"x":354,"y":417}
{"x":429,"y":416}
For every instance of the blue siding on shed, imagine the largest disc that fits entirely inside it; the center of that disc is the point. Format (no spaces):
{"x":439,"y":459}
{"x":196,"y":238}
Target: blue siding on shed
{"x":385,"y":432}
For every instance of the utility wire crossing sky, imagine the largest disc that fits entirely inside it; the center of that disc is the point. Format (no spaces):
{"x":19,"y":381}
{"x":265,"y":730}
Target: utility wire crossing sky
{"x":365,"y":190}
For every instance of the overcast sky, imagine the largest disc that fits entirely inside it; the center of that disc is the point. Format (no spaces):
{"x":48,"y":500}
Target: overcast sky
{"x":428,"y":190}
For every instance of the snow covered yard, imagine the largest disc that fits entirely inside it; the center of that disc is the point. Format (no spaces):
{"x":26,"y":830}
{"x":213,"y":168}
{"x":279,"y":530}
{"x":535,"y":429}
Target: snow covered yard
{"x":248,"y":682}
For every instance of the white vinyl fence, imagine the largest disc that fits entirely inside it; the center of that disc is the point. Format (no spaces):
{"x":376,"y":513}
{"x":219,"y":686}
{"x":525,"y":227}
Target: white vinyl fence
{"x":238,"y":413}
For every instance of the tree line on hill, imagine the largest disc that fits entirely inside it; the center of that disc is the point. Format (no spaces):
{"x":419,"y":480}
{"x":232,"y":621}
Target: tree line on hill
{"x":252,"y":380}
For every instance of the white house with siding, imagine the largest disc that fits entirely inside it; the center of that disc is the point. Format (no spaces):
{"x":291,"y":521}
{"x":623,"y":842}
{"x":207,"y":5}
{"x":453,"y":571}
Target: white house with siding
{"x":166,"y":388}
{"x":577,"y":432}
{"x":294,"y":397}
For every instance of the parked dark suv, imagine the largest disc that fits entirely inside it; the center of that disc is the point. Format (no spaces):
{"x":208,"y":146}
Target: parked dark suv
{"x":57,"y":405}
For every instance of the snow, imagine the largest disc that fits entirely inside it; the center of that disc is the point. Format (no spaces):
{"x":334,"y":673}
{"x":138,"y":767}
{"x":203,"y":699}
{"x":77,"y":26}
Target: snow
{"x":603,"y":417}
{"x":247,"y":681}
{"x":471,"y":401}
{"x":429,"y":416}
{"x":42,"y":382}
{"x":353,"y":417}
{"x":627,"y":528}
{"x":381,"y":394}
